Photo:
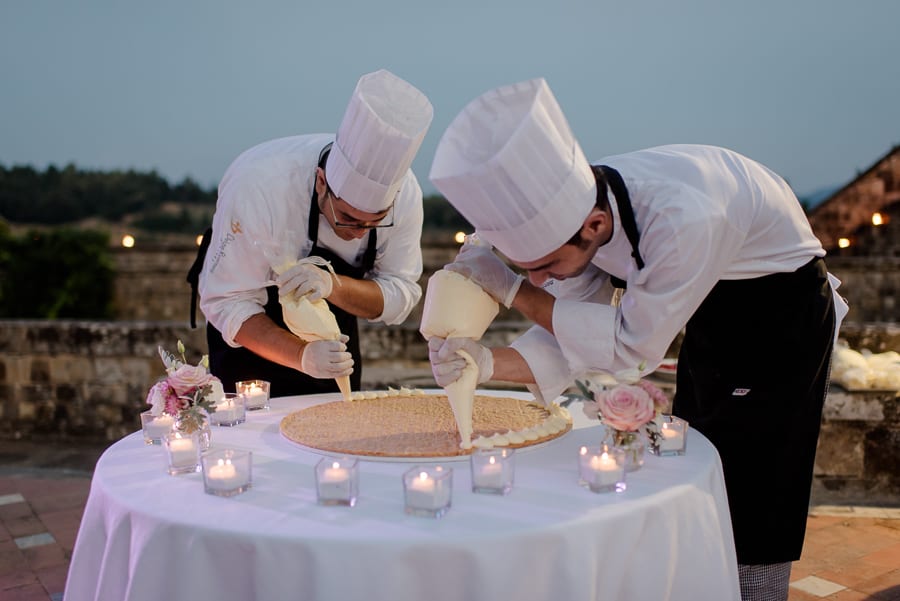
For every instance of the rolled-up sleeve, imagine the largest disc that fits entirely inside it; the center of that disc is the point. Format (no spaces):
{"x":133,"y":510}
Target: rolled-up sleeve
{"x":235,"y":273}
{"x":398,"y":260}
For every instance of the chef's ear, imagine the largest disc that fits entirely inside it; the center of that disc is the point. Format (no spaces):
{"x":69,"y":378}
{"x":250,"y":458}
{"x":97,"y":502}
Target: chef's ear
{"x":598,"y":224}
{"x":321,"y":182}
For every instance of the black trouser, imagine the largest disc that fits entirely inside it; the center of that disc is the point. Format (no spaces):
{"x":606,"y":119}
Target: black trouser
{"x":752,"y":376}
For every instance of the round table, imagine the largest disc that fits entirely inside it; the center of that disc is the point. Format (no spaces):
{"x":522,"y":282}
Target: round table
{"x":146,"y":535}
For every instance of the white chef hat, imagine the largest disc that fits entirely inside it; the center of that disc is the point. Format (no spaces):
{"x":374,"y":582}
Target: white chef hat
{"x":510,"y":164}
{"x":382,"y":129}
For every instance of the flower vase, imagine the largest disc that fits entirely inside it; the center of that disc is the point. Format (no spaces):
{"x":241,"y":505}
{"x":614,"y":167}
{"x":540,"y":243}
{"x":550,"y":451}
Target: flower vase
{"x":195,"y":419}
{"x":631,"y":443}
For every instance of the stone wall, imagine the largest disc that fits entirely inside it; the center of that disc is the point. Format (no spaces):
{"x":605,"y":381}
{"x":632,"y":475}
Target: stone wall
{"x":87,"y":381}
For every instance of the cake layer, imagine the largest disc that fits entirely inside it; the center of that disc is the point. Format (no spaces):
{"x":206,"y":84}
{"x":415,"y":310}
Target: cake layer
{"x":420,"y":425}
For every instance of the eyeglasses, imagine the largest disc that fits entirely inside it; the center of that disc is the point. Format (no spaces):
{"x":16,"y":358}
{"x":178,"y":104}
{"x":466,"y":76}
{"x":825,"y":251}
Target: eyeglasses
{"x":360,"y":225}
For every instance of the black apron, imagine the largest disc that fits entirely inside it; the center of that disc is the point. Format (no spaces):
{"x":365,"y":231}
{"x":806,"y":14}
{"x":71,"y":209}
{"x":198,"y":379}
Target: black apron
{"x":752,"y":376}
{"x":232,"y":365}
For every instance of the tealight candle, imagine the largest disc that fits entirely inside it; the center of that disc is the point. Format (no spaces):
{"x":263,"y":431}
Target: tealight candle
{"x":222,"y":475}
{"x":672,"y":436}
{"x":255,"y":393}
{"x":492,"y":470}
{"x":229,"y":411}
{"x":227,"y":472}
{"x":337,"y":481}
{"x":428,"y":490}
{"x":602,"y":469}
{"x":183,"y":452}
{"x":155,"y":427}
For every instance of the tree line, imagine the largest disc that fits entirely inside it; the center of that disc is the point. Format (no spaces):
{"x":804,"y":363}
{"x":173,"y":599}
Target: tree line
{"x":66,"y":196}
{"x":56,"y":270}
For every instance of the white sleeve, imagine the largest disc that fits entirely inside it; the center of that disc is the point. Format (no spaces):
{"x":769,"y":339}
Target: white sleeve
{"x":398,"y":260}
{"x":685,"y":254}
{"x":235,"y":273}
{"x":545,"y":359}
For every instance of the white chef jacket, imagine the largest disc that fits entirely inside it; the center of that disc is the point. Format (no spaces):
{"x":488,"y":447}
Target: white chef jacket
{"x":704,"y":214}
{"x":264,"y":199}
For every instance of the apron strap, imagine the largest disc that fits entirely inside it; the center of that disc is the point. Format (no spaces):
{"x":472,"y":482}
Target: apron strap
{"x":626,"y":214}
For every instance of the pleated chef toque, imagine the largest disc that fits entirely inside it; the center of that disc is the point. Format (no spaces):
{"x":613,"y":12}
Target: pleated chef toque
{"x":511,"y":166}
{"x":382,"y":129}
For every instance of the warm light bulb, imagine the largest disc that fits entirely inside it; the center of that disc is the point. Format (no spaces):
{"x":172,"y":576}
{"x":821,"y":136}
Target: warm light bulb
{"x":843,"y":242}
{"x":459,"y":237}
{"x":877,"y":219}
{"x":199,"y":239}
{"x":128,"y":241}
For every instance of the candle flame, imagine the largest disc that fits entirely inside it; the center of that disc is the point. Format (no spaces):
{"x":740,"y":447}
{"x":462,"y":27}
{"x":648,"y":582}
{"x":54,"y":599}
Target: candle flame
{"x":220,"y":462}
{"x":492,"y":460}
{"x":604,"y":457}
{"x":335,"y":465}
{"x":423,"y":476}
{"x":583,"y":451}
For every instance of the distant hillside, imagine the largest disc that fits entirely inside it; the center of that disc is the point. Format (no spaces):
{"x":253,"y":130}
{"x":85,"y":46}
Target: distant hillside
{"x":142,"y":200}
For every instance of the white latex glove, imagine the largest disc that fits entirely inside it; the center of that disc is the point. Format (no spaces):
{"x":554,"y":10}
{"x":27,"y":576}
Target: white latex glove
{"x":327,"y":358}
{"x":479,"y":263}
{"x":305,"y":278}
{"x":447,"y":364}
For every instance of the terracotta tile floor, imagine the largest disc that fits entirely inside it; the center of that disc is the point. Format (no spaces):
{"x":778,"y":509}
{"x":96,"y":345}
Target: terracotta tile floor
{"x":850,"y":554}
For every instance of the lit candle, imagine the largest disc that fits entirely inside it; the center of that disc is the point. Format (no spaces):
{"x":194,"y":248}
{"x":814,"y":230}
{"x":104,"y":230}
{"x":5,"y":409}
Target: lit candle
{"x":160,"y":426}
{"x":255,"y":396}
{"x":183,"y":451}
{"x":604,"y":470}
{"x":227,"y":412}
{"x":224,"y":476}
{"x":490,"y":474}
{"x":671,"y":439}
{"x":334,"y":482}
{"x":424,"y":492}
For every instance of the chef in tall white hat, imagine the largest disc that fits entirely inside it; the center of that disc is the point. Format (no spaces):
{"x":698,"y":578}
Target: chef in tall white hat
{"x":347,"y":199}
{"x":703,"y":240}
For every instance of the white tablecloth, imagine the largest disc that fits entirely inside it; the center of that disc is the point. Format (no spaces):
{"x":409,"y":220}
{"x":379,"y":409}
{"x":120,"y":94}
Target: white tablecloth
{"x":147,"y":536}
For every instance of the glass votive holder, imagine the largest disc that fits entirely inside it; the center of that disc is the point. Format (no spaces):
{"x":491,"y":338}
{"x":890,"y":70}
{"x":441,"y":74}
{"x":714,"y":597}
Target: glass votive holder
{"x":672,"y":437}
{"x":229,"y":410}
{"x":227,"y":472}
{"x":155,"y":427}
{"x":182,"y":452}
{"x":255,"y":392}
{"x":427,"y":490}
{"x":601,"y":468}
{"x":337,"y":481}
{"x":493,"y":470}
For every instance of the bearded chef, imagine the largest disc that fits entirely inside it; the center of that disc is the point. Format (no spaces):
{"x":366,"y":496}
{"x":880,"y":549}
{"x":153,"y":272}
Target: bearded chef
{"x":702,"y":239}
{"x":348,"y":198}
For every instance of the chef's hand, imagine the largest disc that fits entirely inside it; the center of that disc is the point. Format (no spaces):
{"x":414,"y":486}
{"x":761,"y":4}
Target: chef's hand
{"x":327,"y":358}
{"x":482,"y":266}
{"x":305,"y":278}
{"x":447,"y":365}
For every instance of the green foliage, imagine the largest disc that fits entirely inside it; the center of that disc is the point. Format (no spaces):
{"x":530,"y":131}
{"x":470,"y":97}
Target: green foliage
{"x":54,"y":196}
{"x":440,"y":215}
{"x":60,"y":274}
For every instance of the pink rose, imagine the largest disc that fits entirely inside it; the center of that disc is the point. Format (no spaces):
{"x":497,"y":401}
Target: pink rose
{"x":159,"y":397}
{"x":660,"y":400}
{"x":626,"y":407}
{"x":187,"y":378}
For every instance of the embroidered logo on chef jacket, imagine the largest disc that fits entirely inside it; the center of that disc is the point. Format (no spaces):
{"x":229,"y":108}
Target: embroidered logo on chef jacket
{"x":235,"y":227}
{"x":740,"y":392}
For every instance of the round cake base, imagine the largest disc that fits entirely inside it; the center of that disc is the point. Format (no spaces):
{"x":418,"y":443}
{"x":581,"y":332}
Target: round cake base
{"x":418,"y":427}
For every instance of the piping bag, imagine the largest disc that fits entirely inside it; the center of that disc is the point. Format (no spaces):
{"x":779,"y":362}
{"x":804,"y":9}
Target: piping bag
{"x":308,"y":320}
{"x":457,"y":307}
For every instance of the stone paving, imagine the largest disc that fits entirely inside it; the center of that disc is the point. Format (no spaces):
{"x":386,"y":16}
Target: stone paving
{"x":850,"y":554}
